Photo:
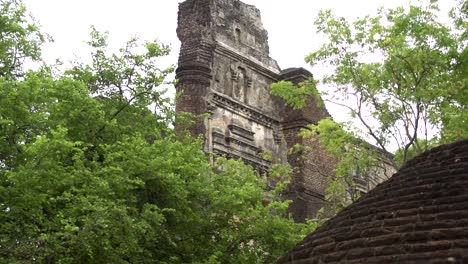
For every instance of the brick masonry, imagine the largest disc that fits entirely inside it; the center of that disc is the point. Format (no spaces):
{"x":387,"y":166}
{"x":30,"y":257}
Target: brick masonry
{"x":419,"y":215}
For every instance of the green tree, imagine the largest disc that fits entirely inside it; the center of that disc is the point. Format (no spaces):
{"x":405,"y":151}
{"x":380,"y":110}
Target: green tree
{"x":20,"y":39}
{"x":92,"y":172}
{"x":401,"y":74}
{"x":454,"y":113}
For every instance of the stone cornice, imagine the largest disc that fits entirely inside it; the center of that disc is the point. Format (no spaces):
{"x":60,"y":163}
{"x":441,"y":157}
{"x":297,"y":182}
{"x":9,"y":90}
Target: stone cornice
{"x":300,"y":123}
{"x":244,"y":110}
{"x":241,"y":132}
{"x":252,"y":63}
{"x":295,"y":75}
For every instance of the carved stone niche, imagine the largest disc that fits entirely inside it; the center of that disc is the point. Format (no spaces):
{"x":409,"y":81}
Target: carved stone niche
{"x":241,"y":78}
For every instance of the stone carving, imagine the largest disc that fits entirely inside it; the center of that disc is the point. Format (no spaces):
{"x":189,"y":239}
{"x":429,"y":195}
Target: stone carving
{"x":241,"y":82}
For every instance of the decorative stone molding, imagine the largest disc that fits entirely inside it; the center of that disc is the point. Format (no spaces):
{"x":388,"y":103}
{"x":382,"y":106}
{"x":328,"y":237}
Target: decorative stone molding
{"x":244,"y":110}
{"x":252,"y":63}
{"x":242,"y":132}
{"x":256,"y":162}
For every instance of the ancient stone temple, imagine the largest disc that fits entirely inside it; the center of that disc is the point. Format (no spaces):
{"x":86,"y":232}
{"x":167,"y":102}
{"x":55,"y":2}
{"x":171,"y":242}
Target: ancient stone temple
{"x":225,"y":70}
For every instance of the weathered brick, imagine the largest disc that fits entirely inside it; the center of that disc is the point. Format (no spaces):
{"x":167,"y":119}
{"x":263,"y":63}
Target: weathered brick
{"x":431,"y":246}
{"x":404,"y":228}
{"x":400,"y":221}
{"x":454,"y":233}
{"x":372,"y":232}
{"x":334,"y":256}
{"x":349,"y":244}
{"x":419,"y":236}
{"x":389,"y":250}
{"x":322,"y":249}
{"x":455,"y":215}
{"x":360,"y":253}
{"x":347,"y":236}
{"x":384,"y":240}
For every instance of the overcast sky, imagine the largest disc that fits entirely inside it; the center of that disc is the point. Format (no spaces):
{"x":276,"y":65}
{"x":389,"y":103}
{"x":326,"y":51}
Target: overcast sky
{"x":289,"y":23}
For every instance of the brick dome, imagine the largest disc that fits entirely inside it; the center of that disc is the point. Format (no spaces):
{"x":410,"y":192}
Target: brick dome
{"x":420,"y":215}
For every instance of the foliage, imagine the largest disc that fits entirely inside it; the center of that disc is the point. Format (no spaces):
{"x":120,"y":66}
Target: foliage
{"x":454,"y":113}
{"x":296,"y":96}
{"x":399,"y":157}
{"x":402,"y":76}
{"x":91,"y":172}
{"x":398,"y":97}
{"x":357,"y":159}
{"x":19,"y":39}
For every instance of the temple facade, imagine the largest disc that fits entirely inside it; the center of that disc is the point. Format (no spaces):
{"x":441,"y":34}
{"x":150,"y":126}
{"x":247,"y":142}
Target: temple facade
{"x":225,"y":70}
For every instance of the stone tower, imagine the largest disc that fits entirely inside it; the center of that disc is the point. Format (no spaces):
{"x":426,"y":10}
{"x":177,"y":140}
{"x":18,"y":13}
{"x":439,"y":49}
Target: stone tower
{"x":225,"y":70}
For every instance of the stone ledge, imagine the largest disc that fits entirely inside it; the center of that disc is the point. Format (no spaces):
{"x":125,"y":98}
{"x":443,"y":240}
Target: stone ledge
{"x":244,"y":110}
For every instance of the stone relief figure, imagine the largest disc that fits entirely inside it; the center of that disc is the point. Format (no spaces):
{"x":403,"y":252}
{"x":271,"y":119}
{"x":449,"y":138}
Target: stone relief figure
{"x":241,"y":82}
{"x":239,"y":86}
{"x":238,"y":35}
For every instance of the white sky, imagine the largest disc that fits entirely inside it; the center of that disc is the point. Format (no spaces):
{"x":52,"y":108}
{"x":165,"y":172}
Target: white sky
{"x":289,"y":24}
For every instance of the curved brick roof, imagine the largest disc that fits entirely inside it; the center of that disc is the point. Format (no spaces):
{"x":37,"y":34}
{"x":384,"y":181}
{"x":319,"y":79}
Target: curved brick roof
{"x":420,"y":215}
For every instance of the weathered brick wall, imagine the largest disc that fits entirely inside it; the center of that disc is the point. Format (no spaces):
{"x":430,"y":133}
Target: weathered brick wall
{"x":419,"y":215}
{"x":313,"y":164}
